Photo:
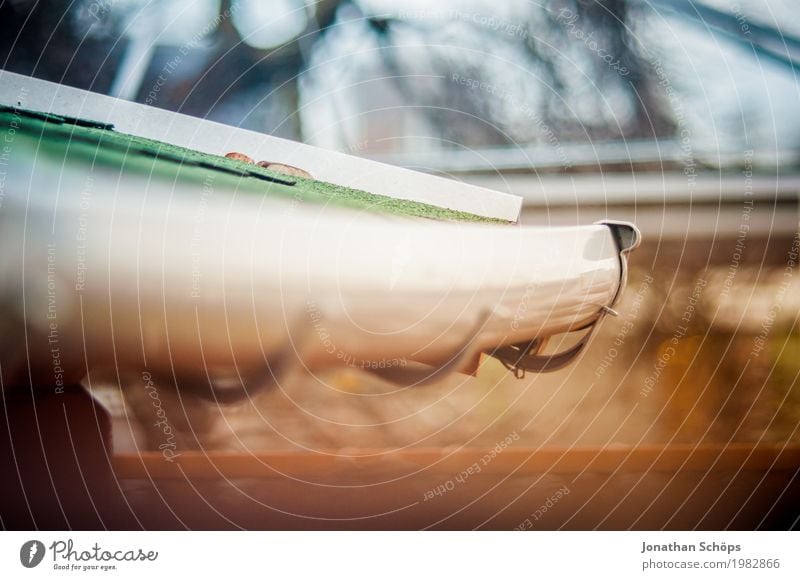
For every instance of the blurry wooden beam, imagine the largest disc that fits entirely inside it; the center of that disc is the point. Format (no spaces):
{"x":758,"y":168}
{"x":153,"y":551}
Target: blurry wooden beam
{"x":642,"y":459}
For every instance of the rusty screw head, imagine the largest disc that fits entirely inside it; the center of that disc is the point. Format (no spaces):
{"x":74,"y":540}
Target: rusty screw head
{"x":285,"y":169}
{"x":239,"y":157}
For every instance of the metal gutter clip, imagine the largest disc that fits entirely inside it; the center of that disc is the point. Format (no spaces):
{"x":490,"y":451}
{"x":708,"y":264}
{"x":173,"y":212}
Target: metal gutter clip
{"x":523,"y":357}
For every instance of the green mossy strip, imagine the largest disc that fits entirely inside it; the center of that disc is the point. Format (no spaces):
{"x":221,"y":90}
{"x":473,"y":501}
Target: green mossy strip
{"x":84,"y":141}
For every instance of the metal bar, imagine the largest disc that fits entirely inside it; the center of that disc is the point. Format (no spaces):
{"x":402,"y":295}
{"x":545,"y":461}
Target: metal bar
{"x":766,"y":41}
{"x":648,"y":188}
{"x":664,"y":153}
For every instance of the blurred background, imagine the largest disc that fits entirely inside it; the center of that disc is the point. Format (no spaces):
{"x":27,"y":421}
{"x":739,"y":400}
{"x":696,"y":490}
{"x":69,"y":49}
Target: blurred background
{"x":680,"y":116}
{"x":429,"y":82}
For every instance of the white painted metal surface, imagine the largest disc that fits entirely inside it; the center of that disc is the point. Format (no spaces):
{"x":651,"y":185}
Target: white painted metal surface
{"x":119,"y":271}
{"x":127,"y":273}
